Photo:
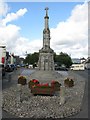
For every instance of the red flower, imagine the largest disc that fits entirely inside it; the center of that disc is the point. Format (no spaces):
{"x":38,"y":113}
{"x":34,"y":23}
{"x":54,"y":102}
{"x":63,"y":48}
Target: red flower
{"x":34,"y":80}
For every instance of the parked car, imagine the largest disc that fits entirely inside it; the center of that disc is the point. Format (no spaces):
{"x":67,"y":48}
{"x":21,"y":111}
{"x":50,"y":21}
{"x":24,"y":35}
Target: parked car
{"x":18,"y":66}
{"x":22,"y":65}
{"x":30,"y":66}
{"x":8,"y":68}
{"x":61,"y":68}
{"x":14,"y":67}
{"x":2,"y":69}
{"x":77,"y":67}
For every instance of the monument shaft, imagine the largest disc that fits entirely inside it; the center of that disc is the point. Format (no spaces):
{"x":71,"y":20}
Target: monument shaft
{"x":46,"y":61}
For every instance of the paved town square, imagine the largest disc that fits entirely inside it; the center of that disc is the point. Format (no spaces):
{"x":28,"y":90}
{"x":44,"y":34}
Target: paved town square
{"x":39,"y":106}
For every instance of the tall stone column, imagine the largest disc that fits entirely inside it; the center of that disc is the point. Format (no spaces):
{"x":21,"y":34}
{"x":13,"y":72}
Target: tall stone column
{"x":46,"y":61}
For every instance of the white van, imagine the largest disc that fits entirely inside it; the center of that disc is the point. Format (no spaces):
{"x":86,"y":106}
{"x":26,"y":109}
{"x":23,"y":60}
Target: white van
{"x":77,"y":67}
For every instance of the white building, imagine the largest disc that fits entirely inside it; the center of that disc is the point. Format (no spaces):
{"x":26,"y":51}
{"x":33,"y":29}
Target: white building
{"x":83,"y":60}
{"x":87,"y":63}
{"x":2,"y":54}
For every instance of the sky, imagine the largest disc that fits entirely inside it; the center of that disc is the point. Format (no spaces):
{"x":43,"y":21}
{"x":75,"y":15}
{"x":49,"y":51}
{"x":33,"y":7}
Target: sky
{"x":22,"y":24}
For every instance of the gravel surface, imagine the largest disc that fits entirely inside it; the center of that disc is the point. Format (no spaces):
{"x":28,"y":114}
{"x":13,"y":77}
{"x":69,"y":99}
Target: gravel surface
{"x":44,"y":106}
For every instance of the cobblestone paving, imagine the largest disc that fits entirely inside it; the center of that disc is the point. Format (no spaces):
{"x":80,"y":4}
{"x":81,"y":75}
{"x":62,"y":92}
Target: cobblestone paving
{"x":44,"y":106}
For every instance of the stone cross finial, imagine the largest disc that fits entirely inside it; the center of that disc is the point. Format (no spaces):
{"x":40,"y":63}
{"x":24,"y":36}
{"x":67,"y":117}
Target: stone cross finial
{"x":46,"y":11}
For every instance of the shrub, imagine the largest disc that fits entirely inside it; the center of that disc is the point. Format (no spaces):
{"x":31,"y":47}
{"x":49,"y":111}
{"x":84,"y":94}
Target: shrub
{"x":68,"y":82}
{"x":56,"y":85}
{"x":22,"y":80}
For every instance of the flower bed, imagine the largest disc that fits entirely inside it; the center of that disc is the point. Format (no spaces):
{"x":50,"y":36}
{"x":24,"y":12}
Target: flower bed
{"x":42,"y":85}
{"x":32,"y":83}
{"x":22,"y":80}
{"x":45,"y":88}
{"x":42,"y":89}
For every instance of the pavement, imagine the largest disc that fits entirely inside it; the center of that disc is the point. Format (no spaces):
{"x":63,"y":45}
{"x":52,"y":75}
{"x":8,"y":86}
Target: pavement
{"x":84,"y":109}
{"x":6,"y":84}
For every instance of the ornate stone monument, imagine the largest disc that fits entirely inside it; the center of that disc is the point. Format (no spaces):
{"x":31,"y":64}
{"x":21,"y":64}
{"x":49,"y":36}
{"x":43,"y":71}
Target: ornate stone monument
{"x":46,"y":61}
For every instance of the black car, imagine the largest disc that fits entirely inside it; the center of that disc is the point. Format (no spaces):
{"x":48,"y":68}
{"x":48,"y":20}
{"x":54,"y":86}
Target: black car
{"x":8,"y":68}
{"x":61,"y":68}
{"x":2,"y":69}
{"x":14,"y":67}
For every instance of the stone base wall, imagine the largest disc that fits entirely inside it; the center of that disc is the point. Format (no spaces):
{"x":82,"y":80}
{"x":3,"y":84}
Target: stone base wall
{"x":46,"y":61}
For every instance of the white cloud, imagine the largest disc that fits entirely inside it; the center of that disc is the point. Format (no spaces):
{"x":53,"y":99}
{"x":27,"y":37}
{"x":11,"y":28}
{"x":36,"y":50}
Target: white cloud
{"x":69,"y":36}
{"x":14,"y":16}
{"x":3,"y":8}
{"x":23,"y":45}
{"x":9,"y":34}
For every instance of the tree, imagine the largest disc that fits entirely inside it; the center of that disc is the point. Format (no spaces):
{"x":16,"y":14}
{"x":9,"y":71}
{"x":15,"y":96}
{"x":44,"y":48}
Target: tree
{"x":32,"y":58}
{"x":63,"y":59}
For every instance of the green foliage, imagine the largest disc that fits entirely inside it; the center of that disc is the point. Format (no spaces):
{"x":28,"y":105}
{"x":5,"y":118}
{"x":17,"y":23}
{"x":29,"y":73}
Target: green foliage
{"x":63,"y":59}
{"x":56,"y":85}
{"x":31,"y":83}
{"x":32,"y":58}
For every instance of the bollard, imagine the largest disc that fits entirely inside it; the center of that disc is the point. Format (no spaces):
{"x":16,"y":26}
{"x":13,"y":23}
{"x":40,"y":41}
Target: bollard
{"x":19,"y":92}
{"x":1,"y":104}
{"x":9,"y":77}
{"x":62,"y":95}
